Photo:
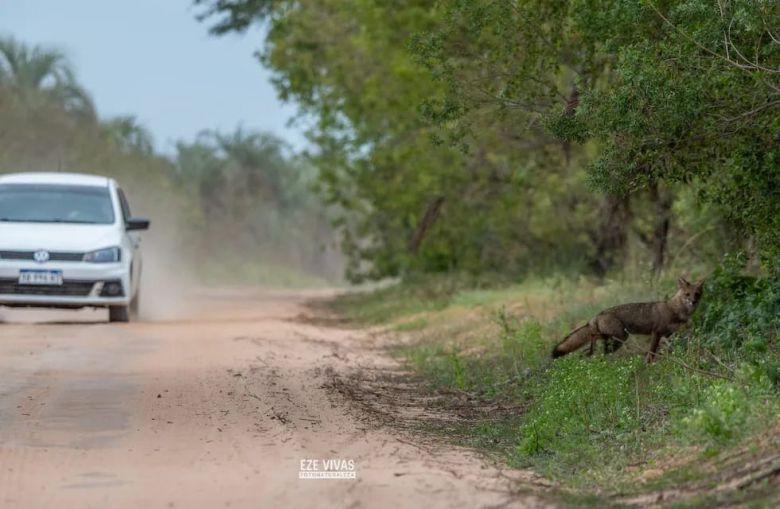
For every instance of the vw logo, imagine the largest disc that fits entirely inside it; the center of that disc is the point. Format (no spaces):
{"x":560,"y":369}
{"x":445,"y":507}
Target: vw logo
{"x":41,"y":256}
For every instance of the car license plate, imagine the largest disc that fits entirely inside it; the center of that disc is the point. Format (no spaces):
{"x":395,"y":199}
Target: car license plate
{"x":40,"y":277}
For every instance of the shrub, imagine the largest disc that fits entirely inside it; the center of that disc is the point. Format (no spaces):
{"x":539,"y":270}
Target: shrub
{"x":738,"y":320}
{"x":738,"y":311}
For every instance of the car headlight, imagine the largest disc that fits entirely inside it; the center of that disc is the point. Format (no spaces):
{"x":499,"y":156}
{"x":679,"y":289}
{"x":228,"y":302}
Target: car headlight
{"x":107,"y":255}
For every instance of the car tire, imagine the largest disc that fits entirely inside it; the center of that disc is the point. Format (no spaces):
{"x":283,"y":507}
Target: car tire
{"x":119,"y":314}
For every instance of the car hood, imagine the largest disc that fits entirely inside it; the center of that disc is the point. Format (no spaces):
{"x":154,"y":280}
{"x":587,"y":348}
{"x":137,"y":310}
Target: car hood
{"x":57,"y":237}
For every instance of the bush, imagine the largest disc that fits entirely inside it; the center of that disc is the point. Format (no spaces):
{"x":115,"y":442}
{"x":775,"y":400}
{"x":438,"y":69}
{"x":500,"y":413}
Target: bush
{"x":714,"y":388}
{"x":738,"y":319}
{"x":738,"y":310}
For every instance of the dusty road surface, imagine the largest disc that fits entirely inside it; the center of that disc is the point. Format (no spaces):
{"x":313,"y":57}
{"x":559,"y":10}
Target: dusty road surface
{"x":214,"y":408}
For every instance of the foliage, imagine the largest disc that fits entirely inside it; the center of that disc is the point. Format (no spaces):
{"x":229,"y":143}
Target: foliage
{"x":129,"y":135}
{"x":410,"y":204}
{"x":457,"y":135}
{"x":689,"y":103}
{"x":722,"y":414}
{"x":741,"y":311}
{"x":36,"y":74}
{"x":683,"y":92}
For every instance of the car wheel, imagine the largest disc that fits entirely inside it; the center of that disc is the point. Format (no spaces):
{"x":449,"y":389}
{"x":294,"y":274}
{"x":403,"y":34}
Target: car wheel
{"x":119,"y":313}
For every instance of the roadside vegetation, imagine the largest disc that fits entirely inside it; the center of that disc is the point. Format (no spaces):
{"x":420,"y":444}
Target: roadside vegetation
{"x":703,"y":416}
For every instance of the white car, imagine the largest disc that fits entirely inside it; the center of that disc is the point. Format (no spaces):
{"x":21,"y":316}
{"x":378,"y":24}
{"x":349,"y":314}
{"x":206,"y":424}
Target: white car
{"x":68,"y":240}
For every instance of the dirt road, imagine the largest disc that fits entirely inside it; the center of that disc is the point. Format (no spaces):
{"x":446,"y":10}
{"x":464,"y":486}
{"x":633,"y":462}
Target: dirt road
{"x":215,"y":408}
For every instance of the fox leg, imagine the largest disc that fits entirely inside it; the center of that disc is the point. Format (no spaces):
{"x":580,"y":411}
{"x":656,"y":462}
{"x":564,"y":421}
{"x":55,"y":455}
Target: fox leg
{"x":613,"y":332}
{"x":653,"y":347}
{"x":616,"y":342}
{"x":592,"y":347}
{"x":613,"y":343}
{"x":609,"y":344}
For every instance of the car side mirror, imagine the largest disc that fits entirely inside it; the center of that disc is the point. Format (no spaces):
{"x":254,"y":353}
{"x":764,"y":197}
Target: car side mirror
{"x":137,"y":224}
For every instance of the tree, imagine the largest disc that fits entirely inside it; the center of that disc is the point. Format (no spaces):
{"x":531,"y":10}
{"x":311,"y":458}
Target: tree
{"x":662,"y":94}
{"x":461,"y":135}
{"x":518,"y":68}
{"x":129,"y":135}
{"x":411,"y":203}
{"x":695,"y":103}
{"x":36,"y":73}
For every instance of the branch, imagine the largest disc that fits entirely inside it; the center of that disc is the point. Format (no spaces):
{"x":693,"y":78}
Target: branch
{"x":743,"y":57}
{"x":430,"y":216}
{"x":754,"y":111}
{"x":752,"y":66}
{"x":674,"y":257}
{"x":769,"y":31}
{"x":696,"y":370}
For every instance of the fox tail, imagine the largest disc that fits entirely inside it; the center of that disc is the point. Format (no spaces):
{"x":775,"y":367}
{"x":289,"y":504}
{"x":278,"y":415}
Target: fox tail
{"x":576,"y":339}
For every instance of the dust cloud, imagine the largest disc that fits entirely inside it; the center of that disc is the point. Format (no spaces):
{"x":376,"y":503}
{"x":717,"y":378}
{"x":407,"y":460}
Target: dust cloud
{"x":166,"y":283}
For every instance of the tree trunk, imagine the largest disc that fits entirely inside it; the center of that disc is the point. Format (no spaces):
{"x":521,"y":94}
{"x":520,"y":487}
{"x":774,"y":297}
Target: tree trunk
{"x":612,"y":232}
{"x":753,"y":262}
{"x":569,"y":110}
{"x":430,"y":216}
{"x":662,"y":205}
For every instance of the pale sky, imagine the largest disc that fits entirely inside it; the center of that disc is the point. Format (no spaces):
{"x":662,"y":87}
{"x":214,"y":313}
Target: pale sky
{"x":154,"y":60}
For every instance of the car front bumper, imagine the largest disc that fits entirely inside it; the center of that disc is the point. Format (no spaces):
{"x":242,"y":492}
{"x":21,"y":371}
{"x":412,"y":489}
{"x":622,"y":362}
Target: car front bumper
{"x":84,"y":285}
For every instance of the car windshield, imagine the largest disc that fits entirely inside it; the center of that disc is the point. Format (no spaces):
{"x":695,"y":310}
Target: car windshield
{"x":54,"y":203}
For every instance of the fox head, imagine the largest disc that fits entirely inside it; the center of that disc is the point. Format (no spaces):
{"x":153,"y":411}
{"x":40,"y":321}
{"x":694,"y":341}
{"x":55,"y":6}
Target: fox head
{"x":689,"y":294}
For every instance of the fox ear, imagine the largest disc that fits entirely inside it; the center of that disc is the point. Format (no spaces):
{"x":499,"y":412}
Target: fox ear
{"x":700,"y":284}
{"x":682,"y":283}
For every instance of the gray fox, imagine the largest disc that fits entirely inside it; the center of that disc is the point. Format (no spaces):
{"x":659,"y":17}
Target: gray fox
{"x":657,"y":319}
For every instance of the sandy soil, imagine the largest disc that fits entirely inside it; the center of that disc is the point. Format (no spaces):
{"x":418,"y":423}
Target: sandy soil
{"x":215,"y":408}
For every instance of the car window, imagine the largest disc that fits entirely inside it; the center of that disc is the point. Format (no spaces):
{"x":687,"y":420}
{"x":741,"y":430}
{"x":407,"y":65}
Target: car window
{"x":124,"y":204}
{"x":55,"y":203}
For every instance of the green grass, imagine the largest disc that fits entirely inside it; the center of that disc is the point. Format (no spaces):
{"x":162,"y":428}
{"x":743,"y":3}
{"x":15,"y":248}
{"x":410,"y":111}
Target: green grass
{"x":597,"y":423}
{"x":396,"y":302}
{"x":411,"y":325}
